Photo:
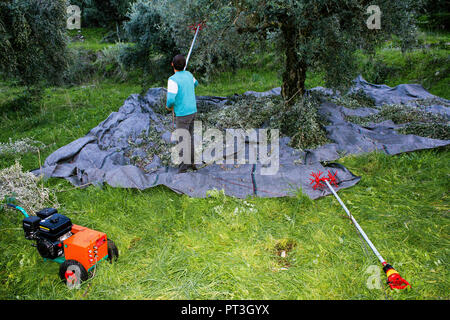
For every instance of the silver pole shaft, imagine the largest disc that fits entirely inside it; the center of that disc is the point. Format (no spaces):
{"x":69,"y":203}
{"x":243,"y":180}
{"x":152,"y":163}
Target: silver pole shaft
{"x":192,"y":46}
{"x":361,"y":231}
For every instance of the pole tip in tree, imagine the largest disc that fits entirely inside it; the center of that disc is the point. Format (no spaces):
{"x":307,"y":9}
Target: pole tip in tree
{"x":394,"y":280}
{"x":196,"y":26}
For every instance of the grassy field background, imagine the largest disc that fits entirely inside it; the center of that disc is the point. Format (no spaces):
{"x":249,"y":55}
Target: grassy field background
{"x":175,"y":247}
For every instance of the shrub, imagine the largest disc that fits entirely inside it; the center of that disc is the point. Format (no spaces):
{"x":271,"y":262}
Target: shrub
{"x":152,"y":32}
{"x":81,"y":67}
{"x":33,"y":41}
{"x":102,"y":13}
{"x":20,"y":146}
{"x":377,"y":71}
{"x":111,"y":63}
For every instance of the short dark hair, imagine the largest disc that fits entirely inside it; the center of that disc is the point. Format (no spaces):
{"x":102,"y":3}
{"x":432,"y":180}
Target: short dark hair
{"x":179,"y":62}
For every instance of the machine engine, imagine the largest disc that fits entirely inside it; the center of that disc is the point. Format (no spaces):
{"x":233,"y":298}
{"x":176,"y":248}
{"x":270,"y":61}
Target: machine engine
{"x":49,"y":229}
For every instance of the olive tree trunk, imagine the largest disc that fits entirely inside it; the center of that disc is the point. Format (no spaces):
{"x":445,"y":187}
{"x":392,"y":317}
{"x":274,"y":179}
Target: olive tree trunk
{"x":294,"y":76}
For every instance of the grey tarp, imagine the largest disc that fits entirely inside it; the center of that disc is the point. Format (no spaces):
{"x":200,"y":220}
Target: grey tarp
{"x":102,"y":156}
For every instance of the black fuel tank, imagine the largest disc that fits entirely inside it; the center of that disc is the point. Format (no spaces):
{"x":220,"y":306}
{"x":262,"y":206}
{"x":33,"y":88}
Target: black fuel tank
{"x":54,"y":226}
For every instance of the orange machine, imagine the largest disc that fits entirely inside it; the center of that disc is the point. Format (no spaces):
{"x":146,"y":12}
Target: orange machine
{"x":86,"y":246}
{"x":82,"y":251}
{"x":77,"y":249}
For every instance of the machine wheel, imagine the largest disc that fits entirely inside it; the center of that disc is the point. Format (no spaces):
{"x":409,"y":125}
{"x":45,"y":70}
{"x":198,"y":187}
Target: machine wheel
{"x":72,"y":268}
{"x":113,"y":252}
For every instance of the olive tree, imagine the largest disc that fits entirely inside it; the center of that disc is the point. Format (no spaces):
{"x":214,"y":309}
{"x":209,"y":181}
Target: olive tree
{"x":103,"y":13}
{"x":33,"y":40}
{"x":319,"y":34}
{"x":148,"y":27}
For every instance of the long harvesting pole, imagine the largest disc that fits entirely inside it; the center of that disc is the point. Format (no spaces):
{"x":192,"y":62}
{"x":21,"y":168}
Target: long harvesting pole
{"x":361,"y":231}
{"x":192,"y":46}
{"x":394,"y":280}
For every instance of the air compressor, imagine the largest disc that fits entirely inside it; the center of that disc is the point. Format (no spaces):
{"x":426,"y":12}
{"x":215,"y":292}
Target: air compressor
{"x":77,"y":249}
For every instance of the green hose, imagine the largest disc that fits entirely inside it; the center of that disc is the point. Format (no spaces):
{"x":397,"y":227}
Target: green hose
{"x":18,"y":208}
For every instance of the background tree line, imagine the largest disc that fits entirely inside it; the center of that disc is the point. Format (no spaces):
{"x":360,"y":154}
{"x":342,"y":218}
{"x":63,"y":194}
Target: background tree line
{"x":321,"y":34}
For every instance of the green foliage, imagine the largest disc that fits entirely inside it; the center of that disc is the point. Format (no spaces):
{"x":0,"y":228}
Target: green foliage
{"x":24,"y":103}
{"x":102,"y":13}
{"x":423,"y":65}
{"x":416,"y":119}
{"x":435,"y":15}
{"x":225,"y":248}
{"x":33,"y":40}
{"x":354,"y":100}
{"x":304,"y":125}
{"x":7,"y":199}
{"x":152,"y":32}
{"x":379,"y":71}
{"x":151,"y":145}
{"x":21,"y":146}
{"x":429,"y":130}
{"x":403,"y":114}
{"x":320,"y":35}
{"x":25,"y":189}
{"x":88,"y":38}
{"x":81,"y":66}
{"x":244,"y":112}
{"x":63,"y":115}
{"x":176,"y":247}
{"x":111,"y":63}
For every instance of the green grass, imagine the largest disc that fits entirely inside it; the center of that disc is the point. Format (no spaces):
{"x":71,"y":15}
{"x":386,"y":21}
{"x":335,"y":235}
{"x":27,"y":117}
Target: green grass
{"x":428,"y":65}
{"x":229,"y":83}
{"x":428,"y":68}
{"x":64,"y":115}
{"x":92,"y":39}
{"x":176,"y":247}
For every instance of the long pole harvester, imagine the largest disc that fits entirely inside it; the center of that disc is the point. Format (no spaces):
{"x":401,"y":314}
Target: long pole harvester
{"x":394,"y":280}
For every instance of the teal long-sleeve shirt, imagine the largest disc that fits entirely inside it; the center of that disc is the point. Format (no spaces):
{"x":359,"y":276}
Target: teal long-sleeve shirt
{"x":181,"y":93}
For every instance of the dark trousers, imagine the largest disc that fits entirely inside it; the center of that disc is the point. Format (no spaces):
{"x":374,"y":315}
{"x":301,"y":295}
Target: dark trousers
{"x":187,"y":122}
